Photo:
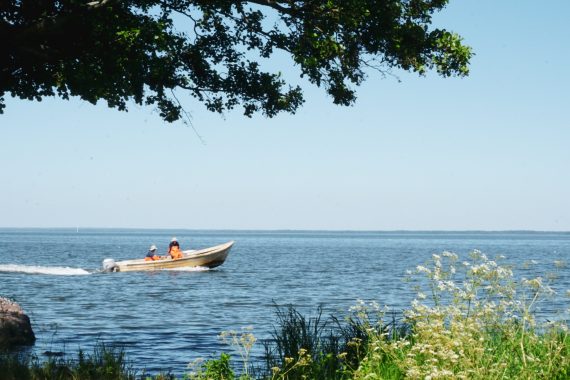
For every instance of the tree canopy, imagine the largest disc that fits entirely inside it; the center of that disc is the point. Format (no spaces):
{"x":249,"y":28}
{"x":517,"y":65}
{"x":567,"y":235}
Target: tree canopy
{"x":147,"y":51}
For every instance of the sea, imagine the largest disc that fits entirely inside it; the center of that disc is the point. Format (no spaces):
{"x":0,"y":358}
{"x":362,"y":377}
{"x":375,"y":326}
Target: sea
{"x":165,"y":320}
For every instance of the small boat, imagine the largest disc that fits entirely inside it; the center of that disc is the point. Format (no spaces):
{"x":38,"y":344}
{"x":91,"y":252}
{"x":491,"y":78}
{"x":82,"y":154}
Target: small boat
{"x":207,"y":257}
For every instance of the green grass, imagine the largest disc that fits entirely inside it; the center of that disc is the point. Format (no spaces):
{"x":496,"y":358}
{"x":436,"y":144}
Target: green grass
{"x":103,"y":364}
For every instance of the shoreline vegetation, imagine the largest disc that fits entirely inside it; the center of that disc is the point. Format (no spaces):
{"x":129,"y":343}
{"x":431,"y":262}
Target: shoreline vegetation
{"x":469,"y":320}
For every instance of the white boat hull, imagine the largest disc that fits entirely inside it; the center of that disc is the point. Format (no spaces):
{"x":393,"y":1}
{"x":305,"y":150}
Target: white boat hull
{"x":207,"y":257}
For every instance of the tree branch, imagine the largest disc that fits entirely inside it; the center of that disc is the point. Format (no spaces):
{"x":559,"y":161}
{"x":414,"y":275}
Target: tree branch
{"x":275,"y":5}
{"x":98,"y":4}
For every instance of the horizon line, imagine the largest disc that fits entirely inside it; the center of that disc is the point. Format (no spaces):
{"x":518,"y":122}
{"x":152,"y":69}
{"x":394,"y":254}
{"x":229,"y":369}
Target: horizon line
{"x":292,"y":230}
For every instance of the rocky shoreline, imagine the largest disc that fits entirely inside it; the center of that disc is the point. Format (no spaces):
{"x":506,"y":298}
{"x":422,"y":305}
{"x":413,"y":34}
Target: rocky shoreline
{"x":15,"y":326}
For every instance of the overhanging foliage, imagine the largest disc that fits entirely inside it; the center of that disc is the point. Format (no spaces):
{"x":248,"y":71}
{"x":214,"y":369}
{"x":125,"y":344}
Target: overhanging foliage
{"x":145,"y":50}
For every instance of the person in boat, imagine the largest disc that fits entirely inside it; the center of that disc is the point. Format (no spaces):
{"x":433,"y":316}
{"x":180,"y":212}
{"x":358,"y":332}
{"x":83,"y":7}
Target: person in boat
{"x":174,"y":249}
{"x":151,"y":255}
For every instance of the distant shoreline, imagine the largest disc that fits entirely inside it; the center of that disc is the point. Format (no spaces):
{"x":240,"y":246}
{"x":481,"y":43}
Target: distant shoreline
{"x":174,"y":230}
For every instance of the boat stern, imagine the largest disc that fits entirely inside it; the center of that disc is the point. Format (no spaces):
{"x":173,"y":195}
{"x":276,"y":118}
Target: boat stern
{"x":109,"y":265}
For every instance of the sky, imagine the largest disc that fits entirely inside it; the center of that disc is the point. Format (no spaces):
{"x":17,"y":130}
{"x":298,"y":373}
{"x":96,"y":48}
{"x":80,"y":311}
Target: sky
{"x":486,"y":152}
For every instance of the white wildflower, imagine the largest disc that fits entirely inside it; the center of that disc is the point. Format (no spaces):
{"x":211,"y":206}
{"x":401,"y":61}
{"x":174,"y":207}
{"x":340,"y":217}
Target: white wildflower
{"x":450,"y":255}
{"x":422,"y":269}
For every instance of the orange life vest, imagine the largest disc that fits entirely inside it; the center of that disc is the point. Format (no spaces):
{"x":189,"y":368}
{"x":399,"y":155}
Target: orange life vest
{"x":155,"y":257}
{"x":176,"y":253}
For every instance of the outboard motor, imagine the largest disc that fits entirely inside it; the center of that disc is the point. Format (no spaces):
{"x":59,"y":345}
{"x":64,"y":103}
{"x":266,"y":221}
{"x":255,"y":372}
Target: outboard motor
{"x":110,"y":266}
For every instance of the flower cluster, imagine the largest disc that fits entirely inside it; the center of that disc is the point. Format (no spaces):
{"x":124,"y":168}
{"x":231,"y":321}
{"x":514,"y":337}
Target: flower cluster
{"x":461,"y":330}
{"x":242,"y":342}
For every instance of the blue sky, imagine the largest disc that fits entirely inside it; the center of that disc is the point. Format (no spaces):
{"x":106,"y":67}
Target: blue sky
{"x":487,"y":152}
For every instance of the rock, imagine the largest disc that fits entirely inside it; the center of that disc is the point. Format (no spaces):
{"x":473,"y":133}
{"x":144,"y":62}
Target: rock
{"x":15,"y":327}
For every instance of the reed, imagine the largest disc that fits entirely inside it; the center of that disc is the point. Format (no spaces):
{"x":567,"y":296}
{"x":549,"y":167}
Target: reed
{"x":320,"y":347}
{"x":105,"y":363}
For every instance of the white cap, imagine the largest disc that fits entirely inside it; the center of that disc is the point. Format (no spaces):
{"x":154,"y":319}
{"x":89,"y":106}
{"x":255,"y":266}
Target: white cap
{"x":173,"y":239}
{"x":152,"y":248}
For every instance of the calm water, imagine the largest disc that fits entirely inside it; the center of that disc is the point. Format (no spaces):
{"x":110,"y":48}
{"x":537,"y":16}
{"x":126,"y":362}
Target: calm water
{"x":166,"y":319}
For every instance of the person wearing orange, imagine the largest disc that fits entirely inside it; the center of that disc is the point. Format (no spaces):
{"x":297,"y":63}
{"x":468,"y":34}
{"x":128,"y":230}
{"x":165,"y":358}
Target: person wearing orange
{"x":174,"y":249}
{"x":151,"y":255}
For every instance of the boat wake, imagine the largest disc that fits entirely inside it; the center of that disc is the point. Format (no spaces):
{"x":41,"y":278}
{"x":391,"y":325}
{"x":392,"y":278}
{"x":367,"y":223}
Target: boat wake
{"x":33,"y":269}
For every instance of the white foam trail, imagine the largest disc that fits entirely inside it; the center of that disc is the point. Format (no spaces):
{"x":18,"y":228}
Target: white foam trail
{"x":57,"y":271}
{"x":189,"y":269}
